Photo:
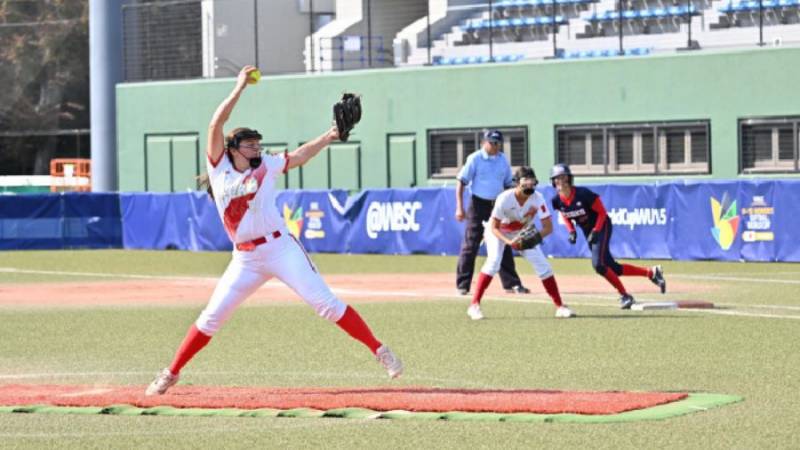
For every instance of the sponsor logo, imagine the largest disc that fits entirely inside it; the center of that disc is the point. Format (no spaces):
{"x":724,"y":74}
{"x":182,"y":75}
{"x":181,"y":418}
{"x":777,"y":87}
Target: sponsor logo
{"x":314,"y":225}
{"x":293,"y":219}
{"x":632,"y":218}
{"x":726,"y":221}
{"x":392,"y":216}
{"x":757,"y":221}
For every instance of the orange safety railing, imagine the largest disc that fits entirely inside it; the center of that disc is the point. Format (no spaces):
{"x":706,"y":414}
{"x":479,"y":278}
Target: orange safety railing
{"x":70,"y":174}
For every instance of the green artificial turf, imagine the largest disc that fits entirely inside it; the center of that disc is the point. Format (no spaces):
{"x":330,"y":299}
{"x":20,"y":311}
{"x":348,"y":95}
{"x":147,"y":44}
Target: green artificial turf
{"x":745,"y":349}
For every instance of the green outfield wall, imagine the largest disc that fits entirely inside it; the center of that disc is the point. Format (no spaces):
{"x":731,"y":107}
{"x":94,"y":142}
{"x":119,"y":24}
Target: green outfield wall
{"x":162,"y":125}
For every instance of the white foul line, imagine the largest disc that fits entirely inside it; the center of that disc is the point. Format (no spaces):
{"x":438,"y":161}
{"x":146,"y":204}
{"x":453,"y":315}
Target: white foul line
{"x":740,"y":279}
{"x":104,"y":275}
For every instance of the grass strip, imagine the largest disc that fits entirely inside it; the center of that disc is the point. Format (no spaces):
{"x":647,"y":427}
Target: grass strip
{"x":693,"y":403}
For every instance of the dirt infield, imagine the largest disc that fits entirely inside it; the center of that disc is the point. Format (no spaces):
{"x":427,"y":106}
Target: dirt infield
{"x":377,"y":398}
{"x":163,"y":291}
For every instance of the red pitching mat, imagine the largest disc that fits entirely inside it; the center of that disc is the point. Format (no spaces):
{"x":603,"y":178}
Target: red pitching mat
{"x":374,"y":398}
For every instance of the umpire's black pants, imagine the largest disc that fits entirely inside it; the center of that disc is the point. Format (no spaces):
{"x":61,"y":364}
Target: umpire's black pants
{"x":480,"y":210}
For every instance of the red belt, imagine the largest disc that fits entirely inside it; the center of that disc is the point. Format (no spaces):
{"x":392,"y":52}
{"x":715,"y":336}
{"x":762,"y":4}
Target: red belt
{"x":249,"y":246}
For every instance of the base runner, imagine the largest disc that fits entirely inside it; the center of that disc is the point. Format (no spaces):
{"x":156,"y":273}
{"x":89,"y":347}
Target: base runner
{"x":583,"y":207}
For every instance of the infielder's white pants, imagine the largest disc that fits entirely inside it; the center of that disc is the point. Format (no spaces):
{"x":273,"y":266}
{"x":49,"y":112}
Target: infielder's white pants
{"x":282,"y":258}
{"x":494,"y":251}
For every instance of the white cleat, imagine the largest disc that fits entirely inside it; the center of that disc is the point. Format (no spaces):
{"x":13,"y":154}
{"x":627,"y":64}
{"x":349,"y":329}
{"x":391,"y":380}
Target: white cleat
{"x":164,"y":380}
{"x":474,"y":312}
{"x":563,"y":312}
{"x":390,"y":361}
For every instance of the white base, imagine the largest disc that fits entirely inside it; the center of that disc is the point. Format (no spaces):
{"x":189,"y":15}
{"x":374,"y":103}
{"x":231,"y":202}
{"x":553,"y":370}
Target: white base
{"x":654,"y":305}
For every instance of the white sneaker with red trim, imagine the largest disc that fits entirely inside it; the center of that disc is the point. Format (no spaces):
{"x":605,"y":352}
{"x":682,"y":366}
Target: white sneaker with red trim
{"x":164,"y":380}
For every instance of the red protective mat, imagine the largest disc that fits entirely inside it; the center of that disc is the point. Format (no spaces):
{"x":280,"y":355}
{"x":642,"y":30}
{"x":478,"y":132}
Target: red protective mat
{"x":374,"y":398}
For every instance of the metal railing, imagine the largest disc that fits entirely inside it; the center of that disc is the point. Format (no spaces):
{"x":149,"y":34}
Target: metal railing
{"x":214,"y":38}
{"x":350,"y":52}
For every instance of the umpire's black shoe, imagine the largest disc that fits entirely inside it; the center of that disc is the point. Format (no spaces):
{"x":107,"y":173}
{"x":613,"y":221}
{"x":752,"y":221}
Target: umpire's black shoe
{"x":626,"y":301}
{"x":658,"y":278}
{"x":519,"y":289}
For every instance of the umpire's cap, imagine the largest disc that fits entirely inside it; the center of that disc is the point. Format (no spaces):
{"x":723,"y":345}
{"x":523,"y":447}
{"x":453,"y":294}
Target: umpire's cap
{"x":558,"y":170}
{"x":493,"y":136}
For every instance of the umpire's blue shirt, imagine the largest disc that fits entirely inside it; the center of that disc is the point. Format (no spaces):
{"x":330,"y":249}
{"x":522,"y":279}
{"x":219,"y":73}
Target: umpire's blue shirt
{"x":486,"y":175}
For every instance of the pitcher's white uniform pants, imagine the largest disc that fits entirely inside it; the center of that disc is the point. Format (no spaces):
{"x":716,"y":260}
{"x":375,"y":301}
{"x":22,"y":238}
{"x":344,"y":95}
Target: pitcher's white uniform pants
{"x":494,"y":251}
{"x":282,"y":258}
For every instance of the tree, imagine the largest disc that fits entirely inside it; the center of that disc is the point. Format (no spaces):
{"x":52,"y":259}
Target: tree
{"x":44,"y":71}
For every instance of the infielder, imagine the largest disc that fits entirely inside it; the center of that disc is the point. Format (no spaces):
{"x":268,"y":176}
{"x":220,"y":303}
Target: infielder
{"x":582,"y":206}
{"x":512,"y":216}
{"x":242,"y":183}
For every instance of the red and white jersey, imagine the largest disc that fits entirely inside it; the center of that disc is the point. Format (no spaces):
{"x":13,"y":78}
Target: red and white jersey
{"x":246,"y":200}
{"x":512,"y":216}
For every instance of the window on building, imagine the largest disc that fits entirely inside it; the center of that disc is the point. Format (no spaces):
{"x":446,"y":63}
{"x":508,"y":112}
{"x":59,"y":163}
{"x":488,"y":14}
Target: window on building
{"x":769,"y":145}
{"x":448,"y":149}
{"x":635,"y":148}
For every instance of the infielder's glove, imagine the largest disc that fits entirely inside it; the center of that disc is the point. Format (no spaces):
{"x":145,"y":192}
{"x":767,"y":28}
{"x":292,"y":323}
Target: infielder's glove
{"x":527,"y":238}
{"x":347,"y":113}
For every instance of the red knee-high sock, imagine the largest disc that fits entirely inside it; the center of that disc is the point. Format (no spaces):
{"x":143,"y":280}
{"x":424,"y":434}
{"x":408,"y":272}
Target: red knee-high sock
{"x":352,"y":323}
{"x":194,"y":341}
{"x":551,"y":287}
{"x":614,"y":280}
{"x":636,"y":271}
{"x":483,"y":282}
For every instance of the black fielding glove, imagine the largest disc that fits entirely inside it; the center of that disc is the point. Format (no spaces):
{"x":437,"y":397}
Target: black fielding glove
{"x":573,"y":237}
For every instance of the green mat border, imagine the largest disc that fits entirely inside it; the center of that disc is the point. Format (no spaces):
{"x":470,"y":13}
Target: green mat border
{"x":695,"y":402}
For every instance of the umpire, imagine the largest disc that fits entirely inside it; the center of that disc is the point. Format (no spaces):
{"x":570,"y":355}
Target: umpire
{"x":488,"y":173}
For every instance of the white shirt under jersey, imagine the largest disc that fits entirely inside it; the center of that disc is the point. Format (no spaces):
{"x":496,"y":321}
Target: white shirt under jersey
{"x":513,"y":217}
{"x":246,"y":200}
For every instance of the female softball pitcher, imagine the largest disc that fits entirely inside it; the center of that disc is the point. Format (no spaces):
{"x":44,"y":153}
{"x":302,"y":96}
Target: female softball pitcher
{"x":242,"y":183}
{"x":513,"y":211}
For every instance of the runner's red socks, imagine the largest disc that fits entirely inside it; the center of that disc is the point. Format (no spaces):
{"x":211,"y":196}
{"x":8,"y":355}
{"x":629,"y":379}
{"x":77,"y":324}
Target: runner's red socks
{"x":636,"y":271}
{"x":614,"y":280}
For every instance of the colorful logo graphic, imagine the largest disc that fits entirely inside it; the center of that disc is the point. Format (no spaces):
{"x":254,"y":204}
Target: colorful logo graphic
{"x":293,"y":219}
{"x":726,"y":221}
{"x":314,"y":229}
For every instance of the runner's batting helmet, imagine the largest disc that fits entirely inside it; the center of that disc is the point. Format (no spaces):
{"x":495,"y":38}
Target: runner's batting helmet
{"x":558,"y":170}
